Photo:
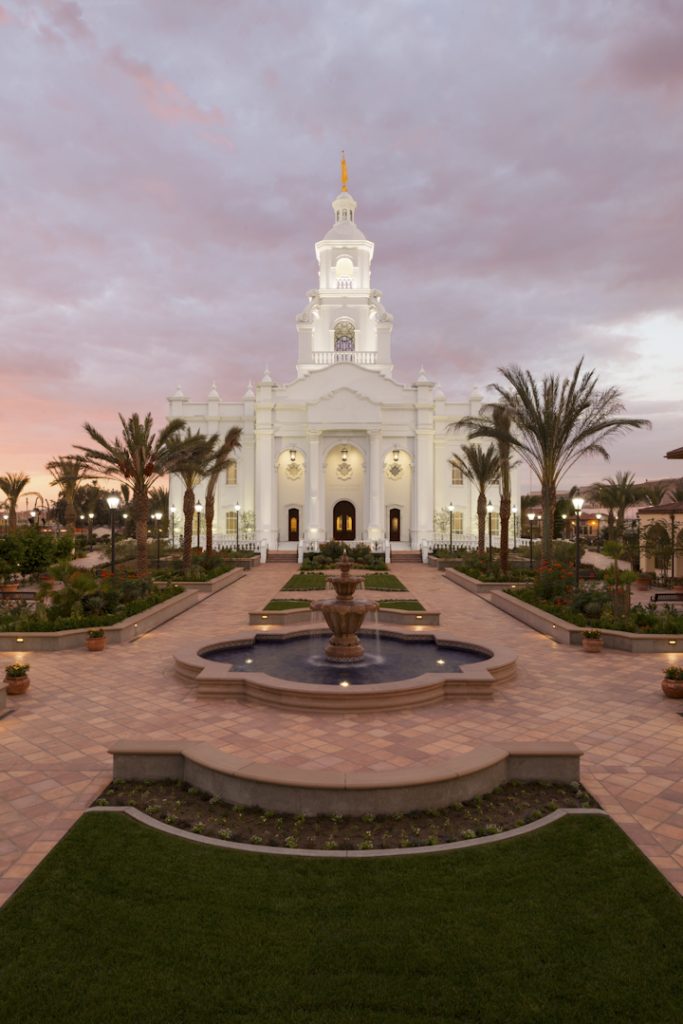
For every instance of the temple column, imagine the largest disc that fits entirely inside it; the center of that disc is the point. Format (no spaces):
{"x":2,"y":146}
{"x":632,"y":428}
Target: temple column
{"x":423,"y":480}
{"x":314,"y":486}
{"x":376,"y":496}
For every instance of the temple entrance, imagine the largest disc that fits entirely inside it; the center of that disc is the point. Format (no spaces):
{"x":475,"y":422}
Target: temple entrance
{"x":395,"y":525}
{"x":293,"y":524}
{"x":344,"y":521}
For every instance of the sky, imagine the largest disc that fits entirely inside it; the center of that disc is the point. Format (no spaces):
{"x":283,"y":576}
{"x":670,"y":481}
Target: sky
{"x":166,"y":167}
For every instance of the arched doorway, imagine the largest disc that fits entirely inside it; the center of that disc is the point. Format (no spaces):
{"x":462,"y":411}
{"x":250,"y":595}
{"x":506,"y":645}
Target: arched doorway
{"x":344,"y":521}
{"x":293,"y":524}
{"x":395,"y":525}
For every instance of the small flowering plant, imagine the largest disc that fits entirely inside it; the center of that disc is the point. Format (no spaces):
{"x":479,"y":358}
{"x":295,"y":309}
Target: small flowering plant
{"x":16,"y":671}
{"x":592,"y":634}
{"x":95,"y":634}
{"x":554,"y":580}
{"x":674,"y":672}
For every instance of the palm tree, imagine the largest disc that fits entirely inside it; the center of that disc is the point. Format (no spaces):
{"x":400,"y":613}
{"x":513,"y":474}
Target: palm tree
{"x":67,"y":472}
{"x":494,"y":422}
{"x":557,"y":424}
{"x":192,"y":467}
{"x":654,"y":491}
{"x":138,"y":459}
{"x":617,"y":493}
{"x":13,"y":484}
{"x":481,"y":467}
{"x":220,"y":461}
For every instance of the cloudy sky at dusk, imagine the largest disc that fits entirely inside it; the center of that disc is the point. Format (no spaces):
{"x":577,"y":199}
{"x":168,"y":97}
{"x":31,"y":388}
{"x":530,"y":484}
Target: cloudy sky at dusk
{"x":166,"y":167}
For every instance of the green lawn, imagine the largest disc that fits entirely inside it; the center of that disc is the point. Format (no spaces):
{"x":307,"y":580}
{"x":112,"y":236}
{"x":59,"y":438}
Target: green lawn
{"x":282,"y":605}
{"x":383,"y":581}
{"x":306,"y":581}
{"x":121,"y":924}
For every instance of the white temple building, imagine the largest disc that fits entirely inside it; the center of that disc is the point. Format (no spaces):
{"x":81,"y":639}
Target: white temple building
{"x":343,"y":450}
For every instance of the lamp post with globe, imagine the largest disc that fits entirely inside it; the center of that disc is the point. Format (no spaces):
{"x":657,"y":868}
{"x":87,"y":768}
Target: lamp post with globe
{"x":113,"y":501}
{"x":577,"y":502}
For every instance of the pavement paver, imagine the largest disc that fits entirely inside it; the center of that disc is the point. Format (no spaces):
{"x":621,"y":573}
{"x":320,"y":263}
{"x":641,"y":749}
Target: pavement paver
{"x":53,"y":746}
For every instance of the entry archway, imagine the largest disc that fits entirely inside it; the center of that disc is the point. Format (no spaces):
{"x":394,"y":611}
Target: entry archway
{"x":344,"y":521}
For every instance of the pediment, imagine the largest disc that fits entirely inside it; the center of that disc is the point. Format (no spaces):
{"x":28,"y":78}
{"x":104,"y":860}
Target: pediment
{"x":358,"y":379}
{"x":344,"y":407}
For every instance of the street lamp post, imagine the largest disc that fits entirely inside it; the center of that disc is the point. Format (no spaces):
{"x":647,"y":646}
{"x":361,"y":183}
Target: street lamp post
{"x":34,"y":517}
{"x":451,"y":510}
{"x":172,"y":511}
{"x":158,"y":516}
{"x":577,"y":502}
{"x":598,"y":516}
{"x":198,"y":509}
{"x":531,"y":516}
{"x":673,"y":544}
{"x":514,"y":527}
{"x":113,"y":501}
{"x":489,"y":509}
{"x":91,"y":516}
{"x":237,"y":526}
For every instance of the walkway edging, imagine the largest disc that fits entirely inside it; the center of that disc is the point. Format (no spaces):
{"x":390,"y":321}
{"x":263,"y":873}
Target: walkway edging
{"x":283,"y":851}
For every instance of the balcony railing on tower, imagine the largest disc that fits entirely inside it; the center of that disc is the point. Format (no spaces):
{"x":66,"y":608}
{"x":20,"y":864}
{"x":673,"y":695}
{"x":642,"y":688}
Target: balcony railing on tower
{"x":362,"y":358}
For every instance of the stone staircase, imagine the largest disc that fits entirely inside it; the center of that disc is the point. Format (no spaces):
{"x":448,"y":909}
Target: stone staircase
{"x":282,"y":556}
{"x":405,"y":556}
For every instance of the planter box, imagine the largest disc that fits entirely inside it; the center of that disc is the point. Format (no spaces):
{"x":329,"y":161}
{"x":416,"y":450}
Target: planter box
{"x":120,"y":633}
{"x":567,"y":633}
{"x":226,"y":579}
{"x":478,"y":586}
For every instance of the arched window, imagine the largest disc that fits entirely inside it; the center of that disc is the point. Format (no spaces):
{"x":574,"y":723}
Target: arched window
{"x":344,"y":336}
{"x":344,"y":272}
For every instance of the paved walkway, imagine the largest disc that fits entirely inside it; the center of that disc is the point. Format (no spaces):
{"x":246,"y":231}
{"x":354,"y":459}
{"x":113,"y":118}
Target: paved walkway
{"x":53,"y":747}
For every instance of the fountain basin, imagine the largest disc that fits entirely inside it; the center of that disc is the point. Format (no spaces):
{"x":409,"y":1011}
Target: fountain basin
{"x":431,"y":684}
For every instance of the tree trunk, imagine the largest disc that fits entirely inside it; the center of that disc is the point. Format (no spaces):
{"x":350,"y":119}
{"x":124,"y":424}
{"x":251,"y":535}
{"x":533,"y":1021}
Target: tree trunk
{"x":141,"y":512}
{"x":505,"y":505}
{"x":481,"y":519}
{"x":12,"y":516}
{"x":549,"y":503}
{"x":209,"y":512}
{"x":188,"y":513}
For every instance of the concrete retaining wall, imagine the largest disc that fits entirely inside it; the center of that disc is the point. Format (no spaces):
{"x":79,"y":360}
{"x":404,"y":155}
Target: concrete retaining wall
{"x":281,"y":788}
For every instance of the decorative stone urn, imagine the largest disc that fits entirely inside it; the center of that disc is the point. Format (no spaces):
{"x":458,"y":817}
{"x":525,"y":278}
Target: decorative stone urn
{"x":344,"y":615}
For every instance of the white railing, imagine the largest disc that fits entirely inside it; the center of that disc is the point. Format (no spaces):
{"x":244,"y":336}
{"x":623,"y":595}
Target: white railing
{"x":328,"y":358}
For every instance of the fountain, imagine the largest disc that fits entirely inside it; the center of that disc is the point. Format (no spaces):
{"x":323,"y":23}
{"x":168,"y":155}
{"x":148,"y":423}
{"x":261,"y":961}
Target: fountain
{"x":344,"y":615}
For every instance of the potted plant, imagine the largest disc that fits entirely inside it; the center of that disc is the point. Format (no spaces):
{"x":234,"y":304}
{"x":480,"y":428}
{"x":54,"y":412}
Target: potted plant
{"x":16,"y":679}
{"x":592,"y":641}
{"x":672,"y":683}
{"x":645,"y":581}
{"x":96,"y":640}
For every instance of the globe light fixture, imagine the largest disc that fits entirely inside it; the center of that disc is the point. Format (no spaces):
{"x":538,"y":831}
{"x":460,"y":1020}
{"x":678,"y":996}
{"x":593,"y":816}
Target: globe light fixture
{"x":113,"y":502}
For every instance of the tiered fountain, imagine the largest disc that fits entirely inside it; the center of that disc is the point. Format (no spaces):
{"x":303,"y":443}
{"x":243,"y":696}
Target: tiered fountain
{"x":344,"y":614}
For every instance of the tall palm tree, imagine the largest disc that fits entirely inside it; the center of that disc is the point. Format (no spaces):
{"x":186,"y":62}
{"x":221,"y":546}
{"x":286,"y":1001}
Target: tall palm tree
{"x":495,"y":422}
{"x":481,"y":467}
{"x":192,"y":467}
{"x":13,"y":484}
{"x":138,"y":459}
{"x":654,"y":491}
{"x":557,"y":424}
{"x":617,"y":493}
{"x":219,"y":464}
{"x":68,"y":471}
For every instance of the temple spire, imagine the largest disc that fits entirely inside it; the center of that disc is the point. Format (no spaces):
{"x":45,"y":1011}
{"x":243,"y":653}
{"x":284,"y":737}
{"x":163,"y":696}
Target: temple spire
{"x":344,"y":173}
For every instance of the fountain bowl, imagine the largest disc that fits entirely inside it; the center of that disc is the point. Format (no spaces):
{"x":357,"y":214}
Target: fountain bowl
{"x":213,"y":679}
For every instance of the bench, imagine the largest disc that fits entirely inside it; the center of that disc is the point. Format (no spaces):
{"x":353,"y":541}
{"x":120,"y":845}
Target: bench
{"x":667,"y":597}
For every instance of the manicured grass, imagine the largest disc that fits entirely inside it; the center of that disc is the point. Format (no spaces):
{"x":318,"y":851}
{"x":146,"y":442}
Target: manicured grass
{"x":278,"y":605}
{"x":383,"y":581}
{"x":404,"y":606}
{"x":306,"y":581}
{"x":569,"y":925}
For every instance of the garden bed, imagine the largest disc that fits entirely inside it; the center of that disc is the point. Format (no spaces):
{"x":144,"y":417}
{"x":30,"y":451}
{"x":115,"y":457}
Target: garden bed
{"x":509,"y":806}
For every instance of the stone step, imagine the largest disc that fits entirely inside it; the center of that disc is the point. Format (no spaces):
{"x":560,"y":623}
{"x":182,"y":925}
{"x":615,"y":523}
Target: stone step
{"x":282,"y":556}
{"x":406,"y":556}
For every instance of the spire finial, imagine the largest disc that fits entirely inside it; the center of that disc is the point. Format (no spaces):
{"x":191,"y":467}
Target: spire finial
{"x":344,"y":173}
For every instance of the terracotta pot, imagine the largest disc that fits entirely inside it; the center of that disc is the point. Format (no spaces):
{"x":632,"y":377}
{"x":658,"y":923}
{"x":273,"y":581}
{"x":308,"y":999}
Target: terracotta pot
{"x":592,"y":646}
{"x":644,"y":584}
{"x":672,"y":688}
{"x":17,"y":684}
{"x":96,"y":643}
{"x":9,"y":588}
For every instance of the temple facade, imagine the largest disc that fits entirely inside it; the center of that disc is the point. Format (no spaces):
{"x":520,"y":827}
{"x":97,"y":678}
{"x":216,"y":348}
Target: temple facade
{"x":343,"y":450}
